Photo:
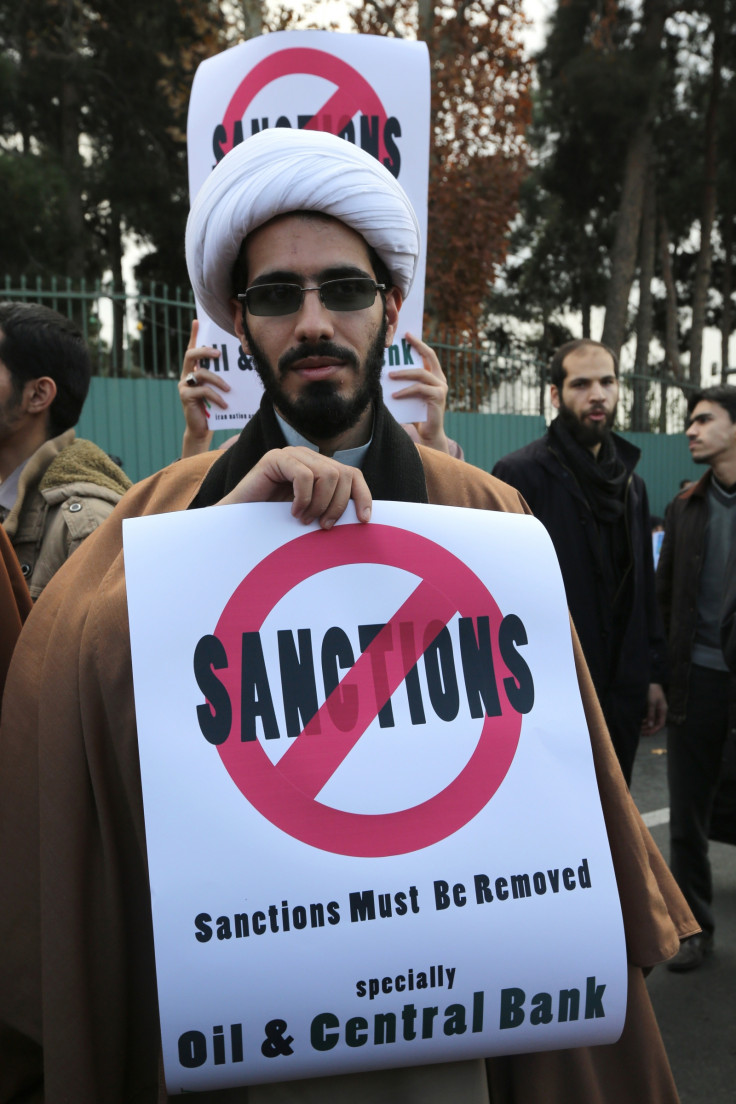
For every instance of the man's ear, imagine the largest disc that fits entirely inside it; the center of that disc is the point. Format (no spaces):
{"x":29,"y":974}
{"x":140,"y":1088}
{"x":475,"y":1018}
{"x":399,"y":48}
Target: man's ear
{"x":38,"y":394}
{"x":237,"y":308}
{"x":554,"y":395}
{"x":394,"y":299}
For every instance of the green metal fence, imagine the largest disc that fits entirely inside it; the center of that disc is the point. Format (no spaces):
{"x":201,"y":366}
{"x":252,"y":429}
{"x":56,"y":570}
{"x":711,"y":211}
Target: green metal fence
{"x":488,"y":379}
{"x":131,"y":335}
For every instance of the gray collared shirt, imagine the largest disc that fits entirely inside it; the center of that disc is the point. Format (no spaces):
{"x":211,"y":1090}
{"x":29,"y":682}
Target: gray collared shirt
{"x":9,"y":490}
{"x":352,"y":457}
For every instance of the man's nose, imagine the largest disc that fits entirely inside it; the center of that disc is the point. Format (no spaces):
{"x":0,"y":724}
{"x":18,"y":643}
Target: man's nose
{"x":314,"y":321}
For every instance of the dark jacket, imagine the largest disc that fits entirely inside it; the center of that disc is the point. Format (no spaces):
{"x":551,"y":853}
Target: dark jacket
{"x":728,"y":625}
{"x":555,"y":497}
{"x":678,"y":580}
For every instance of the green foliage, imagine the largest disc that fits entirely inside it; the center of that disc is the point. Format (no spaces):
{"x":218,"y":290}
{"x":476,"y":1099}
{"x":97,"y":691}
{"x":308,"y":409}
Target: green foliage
{"x":33,"y":194}
{"x":596,"y":72}
{"x":559,"y":249}
{"x":93,"y":101}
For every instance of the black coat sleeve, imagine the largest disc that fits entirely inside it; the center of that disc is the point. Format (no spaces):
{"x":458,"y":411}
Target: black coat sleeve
{"x":728,"y":624}
{"x":523,"y":475}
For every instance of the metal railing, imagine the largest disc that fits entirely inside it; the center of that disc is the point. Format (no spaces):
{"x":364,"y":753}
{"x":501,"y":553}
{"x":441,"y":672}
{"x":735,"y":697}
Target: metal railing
{"x":494,"y":380}
{"x":129,"y":334}
{"x":145,"y":334}
{"x":654,"y":404}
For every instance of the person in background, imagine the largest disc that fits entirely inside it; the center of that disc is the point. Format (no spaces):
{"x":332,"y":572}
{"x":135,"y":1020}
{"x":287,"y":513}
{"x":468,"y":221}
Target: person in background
{"x":580,"y":482}
{"x":55,"y":489}
{"x":200,"y":387}
{"x":694,"y":575}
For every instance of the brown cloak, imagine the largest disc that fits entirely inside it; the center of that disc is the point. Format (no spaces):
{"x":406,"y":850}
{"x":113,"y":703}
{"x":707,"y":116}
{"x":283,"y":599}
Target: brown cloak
{"x":15,"y":603}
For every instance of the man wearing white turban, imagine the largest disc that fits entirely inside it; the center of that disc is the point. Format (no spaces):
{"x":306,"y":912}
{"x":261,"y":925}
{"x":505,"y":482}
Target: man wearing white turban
{"x":303,"y":246}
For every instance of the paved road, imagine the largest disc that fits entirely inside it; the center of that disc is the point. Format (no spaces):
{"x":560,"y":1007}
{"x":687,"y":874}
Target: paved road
{"x":696,"y":1011}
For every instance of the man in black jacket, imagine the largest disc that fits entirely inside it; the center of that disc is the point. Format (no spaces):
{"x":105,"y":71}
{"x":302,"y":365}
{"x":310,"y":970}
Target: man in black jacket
{"x":580,"y":482}
{"x":695,"y":563}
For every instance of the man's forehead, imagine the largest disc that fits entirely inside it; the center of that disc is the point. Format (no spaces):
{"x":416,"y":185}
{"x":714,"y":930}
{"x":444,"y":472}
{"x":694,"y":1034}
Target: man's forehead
{"x":588,"y":361}
{"x":291,"y":220}
{"x":283,"y":239}
{"x":706,"y":409}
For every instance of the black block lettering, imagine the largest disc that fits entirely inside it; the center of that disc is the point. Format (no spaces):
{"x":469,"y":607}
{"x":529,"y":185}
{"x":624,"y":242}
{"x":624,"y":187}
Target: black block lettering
{"x":342,"y":703}
{"x":439,"y":665}
{"x":216,"y":715}
{"x":298,"y":685}
{"x":476,"y":654}
{"x":255,"y":693}
{"x":520,"y":688}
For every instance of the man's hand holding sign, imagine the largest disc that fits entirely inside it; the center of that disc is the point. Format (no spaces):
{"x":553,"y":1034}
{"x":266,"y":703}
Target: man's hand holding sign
{"x":320,"y":487}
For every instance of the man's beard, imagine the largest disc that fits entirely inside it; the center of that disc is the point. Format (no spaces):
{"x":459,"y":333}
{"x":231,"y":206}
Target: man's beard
{"x":12,"y":412}
{"x":320,"y":412}
{"x":587,"y":434}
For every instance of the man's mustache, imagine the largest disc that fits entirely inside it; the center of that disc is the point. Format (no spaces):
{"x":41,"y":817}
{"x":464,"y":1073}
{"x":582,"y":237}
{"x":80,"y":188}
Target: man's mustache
{"x":316,"y":349}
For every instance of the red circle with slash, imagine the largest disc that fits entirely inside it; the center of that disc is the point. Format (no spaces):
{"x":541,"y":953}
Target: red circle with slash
{"x":353,"y":92}
{"x":286,"y":792}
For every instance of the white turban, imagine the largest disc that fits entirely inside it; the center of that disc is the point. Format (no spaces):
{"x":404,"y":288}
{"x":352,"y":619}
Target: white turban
{"x":281,"y":170}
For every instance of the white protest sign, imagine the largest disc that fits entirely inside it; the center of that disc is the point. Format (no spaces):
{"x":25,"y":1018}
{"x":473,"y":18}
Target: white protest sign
{"x":372,"y":91}
{"x":373,"y":826}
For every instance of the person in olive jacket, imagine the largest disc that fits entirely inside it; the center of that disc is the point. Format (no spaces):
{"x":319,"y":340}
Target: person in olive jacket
{"x":55,"y":488}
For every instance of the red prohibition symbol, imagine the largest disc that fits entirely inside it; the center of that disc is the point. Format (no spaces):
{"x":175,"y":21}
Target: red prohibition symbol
{"x":353,"y":93}
{"x":286,"y":793}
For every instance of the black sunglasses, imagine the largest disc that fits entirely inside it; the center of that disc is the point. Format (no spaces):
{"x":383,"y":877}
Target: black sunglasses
{"x":348,"y":294}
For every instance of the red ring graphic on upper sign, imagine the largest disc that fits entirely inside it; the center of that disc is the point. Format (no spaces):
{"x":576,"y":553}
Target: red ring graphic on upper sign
{"x":353,"y":93}
{"x":286,"y":792}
